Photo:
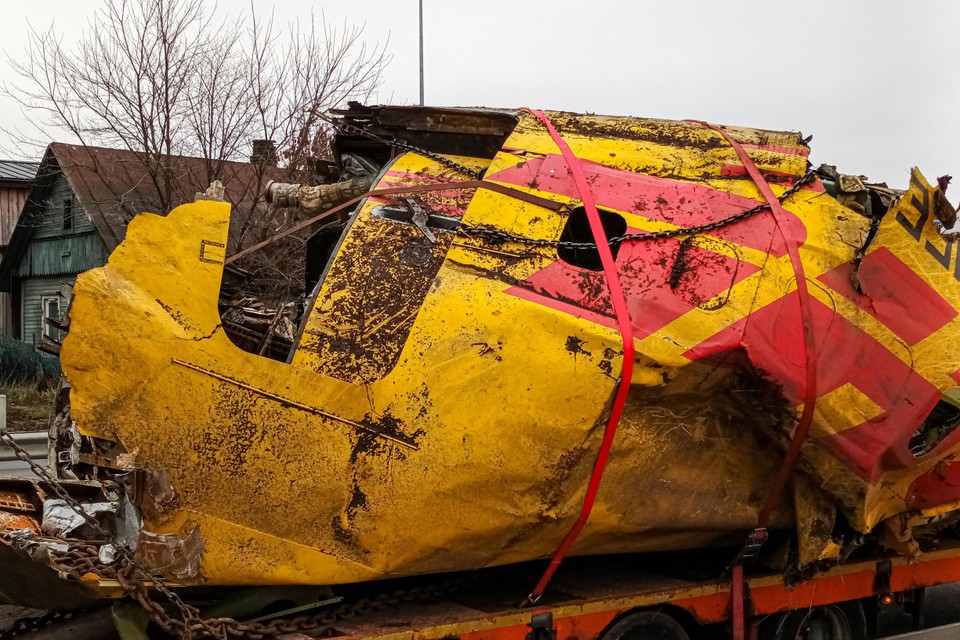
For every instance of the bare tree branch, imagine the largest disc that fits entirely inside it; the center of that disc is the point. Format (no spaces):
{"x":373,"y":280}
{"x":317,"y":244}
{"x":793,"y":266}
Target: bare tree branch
{"x":167,"y":78}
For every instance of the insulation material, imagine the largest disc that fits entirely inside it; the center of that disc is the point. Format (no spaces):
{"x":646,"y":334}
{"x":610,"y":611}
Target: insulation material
{"x":445,"y":400}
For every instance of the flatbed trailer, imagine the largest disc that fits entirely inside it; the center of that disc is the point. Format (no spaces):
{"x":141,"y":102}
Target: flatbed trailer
{"x":639,"y":597}
{"x":618,"y":599}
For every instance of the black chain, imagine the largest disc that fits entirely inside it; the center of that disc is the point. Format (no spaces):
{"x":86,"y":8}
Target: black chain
{"x":476,"y":174}
{"x":496,"y":236}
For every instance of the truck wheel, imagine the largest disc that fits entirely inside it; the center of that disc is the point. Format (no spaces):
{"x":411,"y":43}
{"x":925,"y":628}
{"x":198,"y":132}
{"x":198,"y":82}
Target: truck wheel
{"x":841,"y":621}
{"x":646,"y":625}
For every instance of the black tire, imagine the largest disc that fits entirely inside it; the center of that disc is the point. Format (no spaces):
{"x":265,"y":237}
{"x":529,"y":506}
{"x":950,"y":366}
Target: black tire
{"x":840,"y":621}
{"x":646,"y":625}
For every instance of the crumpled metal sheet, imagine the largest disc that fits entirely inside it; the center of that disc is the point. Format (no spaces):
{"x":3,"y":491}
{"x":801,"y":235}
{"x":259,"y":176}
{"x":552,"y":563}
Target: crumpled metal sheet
{"x":171,"y":554}
{"x":444,"y":413}
{"x":59,"y":519}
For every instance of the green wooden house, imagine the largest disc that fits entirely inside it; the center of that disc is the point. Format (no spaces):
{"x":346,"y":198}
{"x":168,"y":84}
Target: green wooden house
{"x":77,"y":213}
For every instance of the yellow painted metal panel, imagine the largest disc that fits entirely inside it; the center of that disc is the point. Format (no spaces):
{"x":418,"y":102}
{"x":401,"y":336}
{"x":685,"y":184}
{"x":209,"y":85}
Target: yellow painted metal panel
{"x":444,"y":404}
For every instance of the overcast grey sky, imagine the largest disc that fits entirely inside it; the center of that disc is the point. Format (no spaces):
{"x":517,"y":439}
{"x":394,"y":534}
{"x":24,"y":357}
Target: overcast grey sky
{"x":876,"y":82}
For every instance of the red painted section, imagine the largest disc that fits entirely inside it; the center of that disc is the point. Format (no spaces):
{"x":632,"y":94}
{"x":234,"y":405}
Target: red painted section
{"x":956,"y":376}
{"x":938,"y":486}
{"x":893,"y":294}
{"x":846,"y":354}
{"x":782,"y":339}
{"x":645,"y":272}
{"x":685,"y":204}
{"x":445,"y":202}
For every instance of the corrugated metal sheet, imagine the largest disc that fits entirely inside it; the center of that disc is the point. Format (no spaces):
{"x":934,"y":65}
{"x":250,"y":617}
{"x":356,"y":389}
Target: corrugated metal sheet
{"x":18,"y":170}
{"x":35,"y":442}
{"x":11,"y":203}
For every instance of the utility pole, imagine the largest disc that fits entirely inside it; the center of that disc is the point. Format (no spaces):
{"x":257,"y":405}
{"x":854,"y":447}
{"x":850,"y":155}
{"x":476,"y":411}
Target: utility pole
{"x":421,"y":53}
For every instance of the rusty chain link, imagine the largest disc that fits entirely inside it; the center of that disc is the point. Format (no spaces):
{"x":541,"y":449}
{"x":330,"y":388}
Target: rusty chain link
{"x":187,"y":612}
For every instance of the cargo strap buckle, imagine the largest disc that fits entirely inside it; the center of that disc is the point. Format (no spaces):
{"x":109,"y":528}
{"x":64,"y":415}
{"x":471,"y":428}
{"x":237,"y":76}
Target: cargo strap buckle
{"x":751,"y":548}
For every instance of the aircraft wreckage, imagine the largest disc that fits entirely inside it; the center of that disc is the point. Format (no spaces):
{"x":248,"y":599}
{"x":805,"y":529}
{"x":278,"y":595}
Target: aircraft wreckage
{"x":524,"y":331}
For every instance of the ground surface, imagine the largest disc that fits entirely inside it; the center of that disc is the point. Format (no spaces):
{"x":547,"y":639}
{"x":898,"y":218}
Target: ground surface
{"x":27,"y":409}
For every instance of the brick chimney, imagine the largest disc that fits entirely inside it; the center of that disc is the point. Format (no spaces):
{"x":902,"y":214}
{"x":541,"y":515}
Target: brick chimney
{"x":264,"y":152}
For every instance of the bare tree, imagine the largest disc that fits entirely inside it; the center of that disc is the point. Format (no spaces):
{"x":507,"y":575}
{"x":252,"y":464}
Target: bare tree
{"x":164,"y":78}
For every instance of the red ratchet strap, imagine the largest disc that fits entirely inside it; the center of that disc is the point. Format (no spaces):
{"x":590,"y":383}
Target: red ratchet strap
{"x":626,"y":334}
{"x":810,"y":393}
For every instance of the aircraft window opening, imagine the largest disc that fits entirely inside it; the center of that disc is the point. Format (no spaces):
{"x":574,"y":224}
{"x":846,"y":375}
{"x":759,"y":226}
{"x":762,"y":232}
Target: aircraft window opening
{"x":577,"y":229}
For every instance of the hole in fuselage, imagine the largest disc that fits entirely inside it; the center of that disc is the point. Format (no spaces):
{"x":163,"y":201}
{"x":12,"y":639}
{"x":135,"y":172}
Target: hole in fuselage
{"x":942,"y":420}
{"x":577,"y":229}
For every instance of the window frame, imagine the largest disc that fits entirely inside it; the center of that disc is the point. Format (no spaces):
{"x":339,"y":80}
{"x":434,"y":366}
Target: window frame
{"x":67,"y":214}
{"x":45,"y":329}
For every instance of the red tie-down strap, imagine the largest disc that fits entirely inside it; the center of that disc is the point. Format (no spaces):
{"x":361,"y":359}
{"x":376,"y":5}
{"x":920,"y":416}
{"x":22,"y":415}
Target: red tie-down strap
{"x":810,"y":393}
{"x":626,"y":335}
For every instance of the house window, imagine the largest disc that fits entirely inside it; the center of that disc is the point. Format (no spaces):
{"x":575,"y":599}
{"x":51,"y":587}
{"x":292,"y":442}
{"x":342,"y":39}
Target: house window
{"x":51,"y":311}
{"x":68,"y":214}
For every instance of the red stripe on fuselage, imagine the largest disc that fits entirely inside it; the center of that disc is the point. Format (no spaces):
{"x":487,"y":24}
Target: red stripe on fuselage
{"x":662,"y":280}
{"x":846,"y":355}
{"x":685,"y":204}
{"x":894,"y":294}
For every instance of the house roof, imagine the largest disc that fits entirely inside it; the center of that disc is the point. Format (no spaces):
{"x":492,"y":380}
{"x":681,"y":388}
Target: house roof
{"x":114,"y":185}
{"x":18,"y":171}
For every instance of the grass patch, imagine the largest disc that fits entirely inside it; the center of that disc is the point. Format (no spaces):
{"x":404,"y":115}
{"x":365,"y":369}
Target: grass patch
{"x":23,"y":366}
{"x":29,"y":380}
{"x":28,"y":408}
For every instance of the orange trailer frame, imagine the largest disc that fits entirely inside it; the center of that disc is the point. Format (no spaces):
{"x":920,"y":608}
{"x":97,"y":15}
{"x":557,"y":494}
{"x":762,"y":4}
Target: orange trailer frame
{"x":595,"y":608}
